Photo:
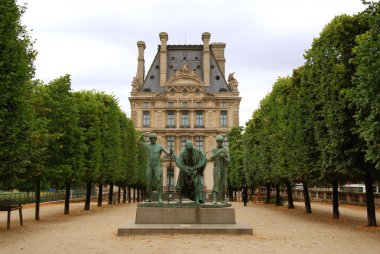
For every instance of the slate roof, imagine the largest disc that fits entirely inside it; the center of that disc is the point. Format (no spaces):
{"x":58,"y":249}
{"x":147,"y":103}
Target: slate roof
{"x":192,"y":55}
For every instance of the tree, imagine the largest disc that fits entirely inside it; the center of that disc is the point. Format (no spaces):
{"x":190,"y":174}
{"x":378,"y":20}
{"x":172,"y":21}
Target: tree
{"x":89,"y":121}
{"x":328,"y":64}
{"x":303,"y":154}
{"x":281,"y":103}
{"x":366,"y":99}
{"x":39,"y":141}
{"x":110,"y":136}
{"x":66,"y":160}
{"x":128,"y":150}
{"x":16,"y":69}
{"x":236,"y":178}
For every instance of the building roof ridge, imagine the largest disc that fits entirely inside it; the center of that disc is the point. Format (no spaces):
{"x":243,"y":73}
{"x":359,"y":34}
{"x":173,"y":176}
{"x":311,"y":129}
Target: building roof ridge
{"x":182,"y":46}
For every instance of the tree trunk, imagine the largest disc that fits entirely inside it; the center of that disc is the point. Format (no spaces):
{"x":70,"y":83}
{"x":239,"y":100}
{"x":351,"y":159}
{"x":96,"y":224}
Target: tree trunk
{"x":278,"y":197}
{"x":138,"y":195}
{"x":124,"y":194}
{"x":129,"y":194}
{"x":335,"y":200}
{"x":371,"y":212}
{"x":230,"y":194}
{"x":38,"y":198}
{"x":290,"y":195}
{"x":134,"y":195}
{"x":267,"y":200}
{"x":67,"y":198}
{"x":118,"y":195}
{"x":110,"y":194}
{"x":143,"y":195}
{"x":88,"y":196}
{"x":100,"y":195}
{"x":307,"y":198}
{"x":252,"y":192}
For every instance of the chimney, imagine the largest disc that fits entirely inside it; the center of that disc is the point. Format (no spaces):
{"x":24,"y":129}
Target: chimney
{"x":218,"y":51}
{"x":206,"y":58}
{"x":140,"y":62}
{"x":163,"y":58}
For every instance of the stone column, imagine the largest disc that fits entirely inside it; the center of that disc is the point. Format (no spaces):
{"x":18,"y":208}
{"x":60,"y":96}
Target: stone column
{"x":178,"y":120}
{"x":206,"y":58}
{"x":140,"y":62}
{"x":191,"y":116}
{"x":163,"y":58}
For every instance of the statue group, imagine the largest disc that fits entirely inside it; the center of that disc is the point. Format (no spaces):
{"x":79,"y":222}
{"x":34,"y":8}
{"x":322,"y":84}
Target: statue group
{"x":191,"y":163}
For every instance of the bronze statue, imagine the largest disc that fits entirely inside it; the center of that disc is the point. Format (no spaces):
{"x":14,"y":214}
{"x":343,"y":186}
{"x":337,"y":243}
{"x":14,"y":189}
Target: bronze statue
{"x":153,"y":170}
{"x":191,"y":163}
{"x":221,"y":157}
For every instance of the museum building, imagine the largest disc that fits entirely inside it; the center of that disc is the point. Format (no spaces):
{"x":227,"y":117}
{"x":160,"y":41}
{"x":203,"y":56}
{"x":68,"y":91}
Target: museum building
{"x":185,"y":96}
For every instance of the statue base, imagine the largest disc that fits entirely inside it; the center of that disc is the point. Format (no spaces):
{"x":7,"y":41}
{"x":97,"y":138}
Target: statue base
{"x":147,"y":229}
{"x":185,"y":218}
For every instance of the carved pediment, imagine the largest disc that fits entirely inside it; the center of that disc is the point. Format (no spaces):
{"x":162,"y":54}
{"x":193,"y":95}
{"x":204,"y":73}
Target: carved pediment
{"x":184,"y":77}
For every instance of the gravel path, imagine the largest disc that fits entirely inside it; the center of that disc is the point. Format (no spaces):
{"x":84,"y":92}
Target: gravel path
{"x":276,"y":230}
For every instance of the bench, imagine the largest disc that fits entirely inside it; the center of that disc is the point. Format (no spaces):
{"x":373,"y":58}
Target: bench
{"x":9,"y":205}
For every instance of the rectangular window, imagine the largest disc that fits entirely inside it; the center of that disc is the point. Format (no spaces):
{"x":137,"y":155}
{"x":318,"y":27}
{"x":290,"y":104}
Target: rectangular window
{"x":223,"y":104}
{"x":199,"y":140}
{"x":198,"y":104}
{"x":170,"y":119}
{"x":146,"y":104}
{"x":170,"y":175}
{"x":183,"y":141}
{"x":225,"y":141}
{"x":223,"y":118}
{"x":146,"y":119}
{"x":170,"y":142}
{"x":199,"y":119}
{"x":170,"y":104}
{"x":185,"y":104}
{"x":185,"y":119}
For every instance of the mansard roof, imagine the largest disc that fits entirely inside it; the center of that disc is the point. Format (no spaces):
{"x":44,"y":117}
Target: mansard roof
{"x":192,"y":56}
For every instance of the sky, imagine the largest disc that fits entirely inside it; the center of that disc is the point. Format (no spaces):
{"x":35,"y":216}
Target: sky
{"x":95,"y":41}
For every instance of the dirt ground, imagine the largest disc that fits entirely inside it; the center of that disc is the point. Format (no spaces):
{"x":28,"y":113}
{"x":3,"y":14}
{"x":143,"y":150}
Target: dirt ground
{"x":275,"y":230}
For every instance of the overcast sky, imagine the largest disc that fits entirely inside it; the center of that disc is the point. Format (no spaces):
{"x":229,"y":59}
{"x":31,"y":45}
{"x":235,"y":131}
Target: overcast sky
{"x":95,"y":41}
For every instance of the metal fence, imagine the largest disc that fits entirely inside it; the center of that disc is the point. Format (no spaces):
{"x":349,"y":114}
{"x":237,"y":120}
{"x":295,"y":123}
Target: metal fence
{"x":46,"y":196}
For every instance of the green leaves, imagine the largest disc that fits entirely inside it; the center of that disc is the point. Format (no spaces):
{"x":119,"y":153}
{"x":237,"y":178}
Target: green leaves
{"x":316,"y":124}
{"x":236,"y":166}
{"x":16,"y":68}
{"x":366,"y":95}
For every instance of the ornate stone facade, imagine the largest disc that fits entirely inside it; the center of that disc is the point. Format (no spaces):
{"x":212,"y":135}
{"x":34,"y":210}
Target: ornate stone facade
{"x":185,"y":95}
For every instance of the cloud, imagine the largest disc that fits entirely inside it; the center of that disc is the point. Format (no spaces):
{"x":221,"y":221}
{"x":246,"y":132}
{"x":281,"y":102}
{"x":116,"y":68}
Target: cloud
{"x":95,"y":41}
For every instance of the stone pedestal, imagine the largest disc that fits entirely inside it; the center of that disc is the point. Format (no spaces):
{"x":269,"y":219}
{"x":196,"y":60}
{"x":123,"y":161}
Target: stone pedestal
{"x":186,"y":218}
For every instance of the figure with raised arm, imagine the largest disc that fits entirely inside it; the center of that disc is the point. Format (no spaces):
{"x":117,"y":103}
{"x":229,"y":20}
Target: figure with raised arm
{"x":153,"y":170}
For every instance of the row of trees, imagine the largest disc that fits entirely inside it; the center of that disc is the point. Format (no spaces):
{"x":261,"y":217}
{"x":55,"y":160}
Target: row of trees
{"x":53,"y":137}
{"x":321,"y":125}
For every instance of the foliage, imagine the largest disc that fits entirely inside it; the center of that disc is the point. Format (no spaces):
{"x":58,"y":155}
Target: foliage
{"x":66,"y":160}
{"x":366,"y":93}
{"x":16,"y":69}
{"x":328,"y":73}
{"x":89,"y":120}
{"x":236,"y":167}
